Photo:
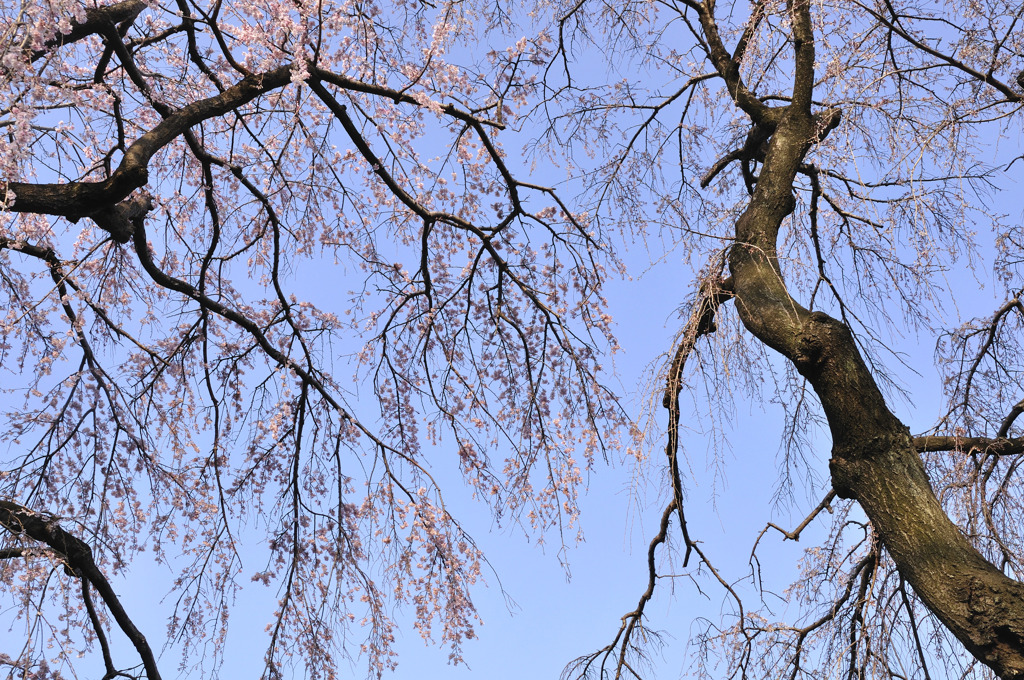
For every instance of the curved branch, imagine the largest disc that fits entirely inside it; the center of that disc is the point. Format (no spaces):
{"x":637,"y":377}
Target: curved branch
{"x":97,"y":20}
{"x":75,"y":200}
{"x":1011,"y":417}
{"x":19,"y":520}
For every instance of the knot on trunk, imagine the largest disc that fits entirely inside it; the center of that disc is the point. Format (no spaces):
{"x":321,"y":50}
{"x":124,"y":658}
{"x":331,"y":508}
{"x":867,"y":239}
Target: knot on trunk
{"x":812,"y":345}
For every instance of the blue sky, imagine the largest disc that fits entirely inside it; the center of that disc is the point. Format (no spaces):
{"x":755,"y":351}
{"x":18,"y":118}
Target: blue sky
{"x":539,"y":613}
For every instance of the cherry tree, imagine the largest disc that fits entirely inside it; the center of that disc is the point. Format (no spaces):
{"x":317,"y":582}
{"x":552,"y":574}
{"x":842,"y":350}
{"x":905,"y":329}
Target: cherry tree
{"x":265,"y":260}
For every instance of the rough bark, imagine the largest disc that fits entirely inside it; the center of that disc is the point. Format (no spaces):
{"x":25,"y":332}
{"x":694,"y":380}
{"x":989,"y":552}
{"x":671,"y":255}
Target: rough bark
{"x":873,"y":457}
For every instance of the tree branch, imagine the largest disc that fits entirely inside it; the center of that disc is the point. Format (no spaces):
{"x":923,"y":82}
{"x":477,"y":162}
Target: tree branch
{"x":19,"y":520}
{"x":728,"y":67}
{"x":794,"y":535}
{"x":987,"y":78}
{"x":75,"y":200}
{"x":713,"y":292}
{"x":1004,"y":428}
{"x":996,"y":446}
{"x":97,"y":20}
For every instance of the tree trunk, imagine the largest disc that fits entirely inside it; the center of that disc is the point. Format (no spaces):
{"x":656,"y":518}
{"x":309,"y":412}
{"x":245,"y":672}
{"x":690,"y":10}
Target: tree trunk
{"x":873,"y":459}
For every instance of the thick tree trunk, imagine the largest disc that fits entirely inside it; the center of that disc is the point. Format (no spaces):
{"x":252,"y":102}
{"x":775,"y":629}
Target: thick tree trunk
{"x":873,"y":460}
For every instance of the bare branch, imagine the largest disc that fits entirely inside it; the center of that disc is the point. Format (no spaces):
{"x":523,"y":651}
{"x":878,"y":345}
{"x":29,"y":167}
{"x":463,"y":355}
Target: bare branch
{"x":997,"y":446}
{"x":794,"y":535}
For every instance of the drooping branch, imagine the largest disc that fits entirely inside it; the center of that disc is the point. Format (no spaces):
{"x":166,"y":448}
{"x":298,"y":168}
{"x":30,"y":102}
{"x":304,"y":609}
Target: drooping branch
{"x":77,"y":554}
{"x":63,"y":280}
{"x":713,"y":292}
{"x":624,"y":644}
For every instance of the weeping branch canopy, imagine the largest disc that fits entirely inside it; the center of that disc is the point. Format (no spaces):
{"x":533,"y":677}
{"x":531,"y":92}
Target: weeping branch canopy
{"x":267,"y":264}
